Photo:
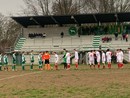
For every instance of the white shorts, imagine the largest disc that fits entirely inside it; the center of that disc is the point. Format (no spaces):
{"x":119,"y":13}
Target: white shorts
{"x":56,"y":62}
{"x":68,"y":61}
{"x":108,"y":60}
{"x":76,"y":60}
{"x":119,"y":60}
{"x":98,"y":60}
{"x":91,"y":62}
{"x":103,"y":61}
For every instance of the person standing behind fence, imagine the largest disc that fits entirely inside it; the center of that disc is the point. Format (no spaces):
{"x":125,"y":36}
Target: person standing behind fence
{"x":5,"y":61}
{"x":40,"y":61}
{"x":31,"y":60}
{"x":0,"y":61}
{"x":23,"y":61}
{"x":14,"y":61}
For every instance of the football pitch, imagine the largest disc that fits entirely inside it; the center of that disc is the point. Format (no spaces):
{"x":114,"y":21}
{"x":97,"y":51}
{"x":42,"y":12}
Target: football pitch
{"x":81,"y":83}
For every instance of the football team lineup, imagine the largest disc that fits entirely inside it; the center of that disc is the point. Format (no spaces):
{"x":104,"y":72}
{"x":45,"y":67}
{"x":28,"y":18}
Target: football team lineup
{"x":96,"y":58}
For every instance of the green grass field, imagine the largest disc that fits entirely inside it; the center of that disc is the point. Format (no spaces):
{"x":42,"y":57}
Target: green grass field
{"x":81,"y":83}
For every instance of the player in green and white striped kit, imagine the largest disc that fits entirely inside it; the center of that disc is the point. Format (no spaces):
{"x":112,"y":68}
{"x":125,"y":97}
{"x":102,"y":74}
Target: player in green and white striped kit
{"x":31,"y":60}
{"x":5,"y":61}
{"x":23,"y":61}
{"x":14,"y":61}
{"x":0,"y":61}
{"x":40,"y":61}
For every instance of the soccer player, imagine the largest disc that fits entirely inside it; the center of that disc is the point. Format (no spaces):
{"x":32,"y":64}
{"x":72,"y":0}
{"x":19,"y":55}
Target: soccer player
{"x":103,"y":59}
{"x":40,"y":61}
{"x":76,"y":58}
{"x":0,"y":61}
{"x":14,"y":61}
{"x":120,"y":58}
{"x":23,"y":61}
{"x":98,"y":58}
{"x":64,"y":59}
{"x":56,"y":60}
{"x":91,"y":58}
{"x":31,"y":60}
{"x":108,"y":56}
{"x":68,"y":60}
{"x":46,"y":58}
{"x":5,"y":61}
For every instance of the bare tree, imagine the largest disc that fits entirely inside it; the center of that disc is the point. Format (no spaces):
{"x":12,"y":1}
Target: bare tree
{"x":8,"y":32}
{"x":37,"y":7}
{"x":106,"y":6}
{"x":67,"y":7}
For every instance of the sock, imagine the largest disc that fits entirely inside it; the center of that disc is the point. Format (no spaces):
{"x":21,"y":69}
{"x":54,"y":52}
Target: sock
{"x":48,"y":67}
{"x":98,"y":65}
{"x":31,"y":67}
{"x":68,"y":65}
{"x":23,"y":68}
{"x":0,"y":68}
{"x":45,"y":66}
{"x":14,"y":67}
{"x":108,"y":65}
{"x":76,"y":65}
{"x":103,"y":67}
{"x":7,"y":68}
{"x":56,"y":67}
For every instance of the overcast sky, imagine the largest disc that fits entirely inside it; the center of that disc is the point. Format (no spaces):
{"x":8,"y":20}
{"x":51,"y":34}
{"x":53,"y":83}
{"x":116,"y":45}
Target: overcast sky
{"x":10,"y":6}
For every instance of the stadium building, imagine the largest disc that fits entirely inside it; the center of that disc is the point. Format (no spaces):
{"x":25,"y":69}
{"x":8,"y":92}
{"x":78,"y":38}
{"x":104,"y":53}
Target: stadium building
{"x":83,"y":32}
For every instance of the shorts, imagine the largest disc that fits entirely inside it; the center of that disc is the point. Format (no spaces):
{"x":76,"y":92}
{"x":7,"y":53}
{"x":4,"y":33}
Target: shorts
{"x":76,"y":60}
{"x":14,"y":62}
{"x":56,"y":61}
{"x":91,"y":62}
{"x":47,"y":61}
{"x":98,"y":60}
{"x":119,"y":60}
{"x":108,"y":60}
{"x":68,"y":61}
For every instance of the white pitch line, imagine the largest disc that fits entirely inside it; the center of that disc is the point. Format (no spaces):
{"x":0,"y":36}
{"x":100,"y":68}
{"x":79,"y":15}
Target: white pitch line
{"x":19,"y":75}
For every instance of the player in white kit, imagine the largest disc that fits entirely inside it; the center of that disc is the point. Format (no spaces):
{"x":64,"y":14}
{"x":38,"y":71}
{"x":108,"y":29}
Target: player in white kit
{"x":108,"y":56}
{"x":103,"y":58}
{"x":56,"y":60}
{"x":98,"y":58}
{"x":91,"y":58}
{"x":68,"y":59}
{"x":120,"y":58}
{"x":76,"y":55}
